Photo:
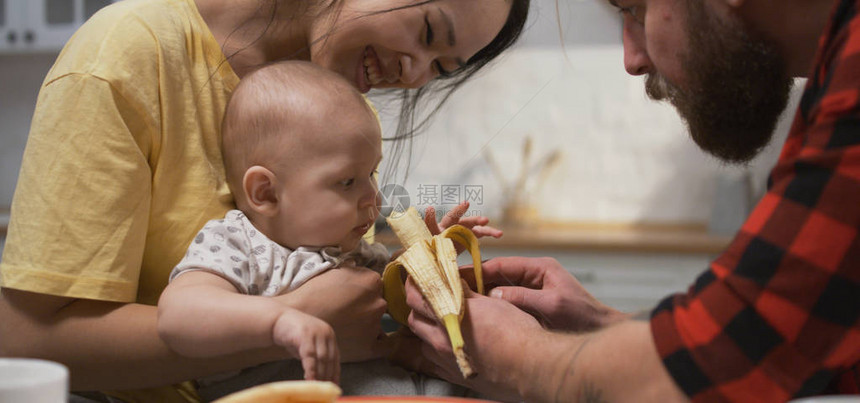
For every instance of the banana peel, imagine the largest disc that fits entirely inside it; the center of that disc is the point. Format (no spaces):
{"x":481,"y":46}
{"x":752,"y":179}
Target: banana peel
{"x":431,"y":262}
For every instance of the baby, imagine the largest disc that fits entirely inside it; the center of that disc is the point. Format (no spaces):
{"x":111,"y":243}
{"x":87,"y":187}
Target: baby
{"x":301,"y":148}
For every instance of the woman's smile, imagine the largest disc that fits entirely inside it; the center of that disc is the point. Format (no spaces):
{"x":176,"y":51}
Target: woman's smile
{"x":373,"y":68}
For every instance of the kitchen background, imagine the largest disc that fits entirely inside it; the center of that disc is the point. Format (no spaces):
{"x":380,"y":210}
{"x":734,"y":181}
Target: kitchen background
{"x":614,"y":188}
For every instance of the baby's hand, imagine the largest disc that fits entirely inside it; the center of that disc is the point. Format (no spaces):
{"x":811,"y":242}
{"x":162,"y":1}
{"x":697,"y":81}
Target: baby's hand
{"x":312,"y":340}
{"x":478,"y":224}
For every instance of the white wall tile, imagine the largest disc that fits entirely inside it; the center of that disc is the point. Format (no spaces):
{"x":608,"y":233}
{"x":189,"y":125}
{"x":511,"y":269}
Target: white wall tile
{"x":625,"y":157}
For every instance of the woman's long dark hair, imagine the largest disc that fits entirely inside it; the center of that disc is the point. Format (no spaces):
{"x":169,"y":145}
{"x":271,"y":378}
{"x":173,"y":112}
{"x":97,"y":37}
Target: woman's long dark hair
{"x":410,"y":123}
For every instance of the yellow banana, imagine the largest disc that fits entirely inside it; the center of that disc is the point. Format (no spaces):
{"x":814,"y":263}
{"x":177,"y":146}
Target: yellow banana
{"x":431,"y":261}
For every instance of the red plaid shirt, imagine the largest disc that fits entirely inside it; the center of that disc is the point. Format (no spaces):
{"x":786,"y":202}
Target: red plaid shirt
{"x":776,"y":315}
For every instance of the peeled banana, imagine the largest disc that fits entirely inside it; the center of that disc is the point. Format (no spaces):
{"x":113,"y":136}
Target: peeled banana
{"x":431,"y":261}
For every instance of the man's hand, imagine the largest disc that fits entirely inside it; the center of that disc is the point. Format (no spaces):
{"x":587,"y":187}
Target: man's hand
{"x":517,"y":359}
{"x":490,"y":328}
{"x":543,"y":288}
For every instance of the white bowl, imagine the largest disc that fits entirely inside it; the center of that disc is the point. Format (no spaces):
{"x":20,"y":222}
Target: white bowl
{"x":33,"y":381}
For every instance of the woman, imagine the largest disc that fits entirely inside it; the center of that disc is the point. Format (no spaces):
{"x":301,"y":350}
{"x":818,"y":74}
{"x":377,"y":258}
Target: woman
{"x":123,"y":165}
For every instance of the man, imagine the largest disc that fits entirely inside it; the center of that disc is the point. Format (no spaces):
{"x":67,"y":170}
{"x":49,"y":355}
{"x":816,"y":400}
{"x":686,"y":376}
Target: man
{"x":776,"y":315}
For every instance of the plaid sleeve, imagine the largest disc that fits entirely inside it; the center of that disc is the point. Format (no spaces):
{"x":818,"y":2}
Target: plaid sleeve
{"x":776,"y":315}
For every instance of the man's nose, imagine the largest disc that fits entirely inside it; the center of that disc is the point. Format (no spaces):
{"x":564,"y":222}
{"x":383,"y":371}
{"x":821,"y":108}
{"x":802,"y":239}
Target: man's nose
{"x":636,"y":60}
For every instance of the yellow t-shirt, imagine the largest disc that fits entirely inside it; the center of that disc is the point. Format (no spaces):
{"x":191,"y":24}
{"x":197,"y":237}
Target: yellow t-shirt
{"x":123,"y":162}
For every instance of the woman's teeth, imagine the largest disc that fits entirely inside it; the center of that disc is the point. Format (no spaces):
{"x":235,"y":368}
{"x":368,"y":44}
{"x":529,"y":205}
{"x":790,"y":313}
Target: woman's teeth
{"x":371,"y":69}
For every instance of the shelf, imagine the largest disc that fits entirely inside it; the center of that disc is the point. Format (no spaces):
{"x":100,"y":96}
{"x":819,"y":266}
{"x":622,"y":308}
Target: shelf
{"x":683,"y":239}
{"x":591,"y":238}
{"x":4,"y":221}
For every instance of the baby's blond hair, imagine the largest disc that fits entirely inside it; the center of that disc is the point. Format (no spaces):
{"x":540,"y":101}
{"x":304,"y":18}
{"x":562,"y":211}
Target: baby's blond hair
{"x":268,"y":106}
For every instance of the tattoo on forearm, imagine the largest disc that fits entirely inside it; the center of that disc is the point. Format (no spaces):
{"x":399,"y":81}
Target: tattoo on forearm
{"x":590,"y":394}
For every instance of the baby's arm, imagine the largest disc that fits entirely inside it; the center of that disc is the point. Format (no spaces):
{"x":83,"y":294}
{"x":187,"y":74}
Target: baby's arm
{"x":201,"y":314}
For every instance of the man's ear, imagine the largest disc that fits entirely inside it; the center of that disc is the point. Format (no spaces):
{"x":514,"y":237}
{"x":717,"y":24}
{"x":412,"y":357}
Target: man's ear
{"x":261,"y":193}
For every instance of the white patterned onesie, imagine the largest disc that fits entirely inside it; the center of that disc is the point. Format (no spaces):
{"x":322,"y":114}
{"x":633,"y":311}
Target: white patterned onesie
{"x":235,"y":250}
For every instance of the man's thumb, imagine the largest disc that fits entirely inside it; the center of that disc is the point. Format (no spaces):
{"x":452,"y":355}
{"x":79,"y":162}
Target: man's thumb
{"x":521,"y":297}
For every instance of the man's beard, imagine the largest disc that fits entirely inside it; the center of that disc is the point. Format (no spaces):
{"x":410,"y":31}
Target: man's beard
{"x":736,"y":88}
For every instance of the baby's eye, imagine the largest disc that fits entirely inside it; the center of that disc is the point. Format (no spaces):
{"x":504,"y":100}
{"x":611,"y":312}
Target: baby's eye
{"x":347,"y":182}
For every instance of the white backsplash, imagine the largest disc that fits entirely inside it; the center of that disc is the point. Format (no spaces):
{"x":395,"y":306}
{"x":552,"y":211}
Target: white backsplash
{"x":625,"y":158}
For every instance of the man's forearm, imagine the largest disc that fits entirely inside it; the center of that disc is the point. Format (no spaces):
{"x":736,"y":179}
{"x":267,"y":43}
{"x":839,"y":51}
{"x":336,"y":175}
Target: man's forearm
{"x":618,"y":363}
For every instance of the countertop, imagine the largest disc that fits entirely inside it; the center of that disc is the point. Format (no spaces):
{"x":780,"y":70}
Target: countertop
{"x":599,"y":237}
{"x":653,"y":238}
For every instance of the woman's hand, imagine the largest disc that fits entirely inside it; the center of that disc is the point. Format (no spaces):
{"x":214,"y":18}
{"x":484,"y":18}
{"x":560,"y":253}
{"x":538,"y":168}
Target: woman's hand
{"x":350,"y":300}
{"x":543,"y":288}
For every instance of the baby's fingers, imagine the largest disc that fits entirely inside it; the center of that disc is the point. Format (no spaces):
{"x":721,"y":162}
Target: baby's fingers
{"x":455,"y":215}
{"x":334,"y":360}
{"x":430,"y":220}
{"x":472,"y":221}
{"x":481,"y":231}
{"x":311,"y":368}
{"x":329,"y":358}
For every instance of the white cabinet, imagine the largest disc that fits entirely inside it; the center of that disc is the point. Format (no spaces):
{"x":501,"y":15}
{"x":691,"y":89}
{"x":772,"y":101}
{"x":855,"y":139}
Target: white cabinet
{"x":11,"y":12}
{"x":42,"y":25}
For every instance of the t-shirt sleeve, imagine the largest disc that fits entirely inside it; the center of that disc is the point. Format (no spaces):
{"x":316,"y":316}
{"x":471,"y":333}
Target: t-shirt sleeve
{"x":81,"y":206}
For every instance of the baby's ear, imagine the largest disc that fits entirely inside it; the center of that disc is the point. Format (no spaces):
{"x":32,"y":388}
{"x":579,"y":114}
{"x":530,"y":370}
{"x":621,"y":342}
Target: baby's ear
{"x":260,"y":189}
